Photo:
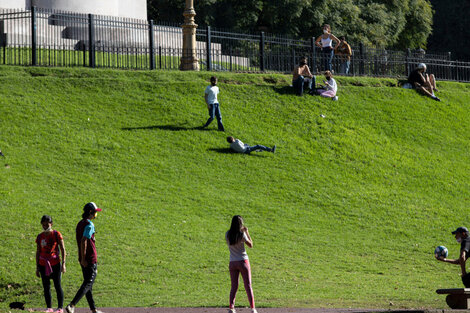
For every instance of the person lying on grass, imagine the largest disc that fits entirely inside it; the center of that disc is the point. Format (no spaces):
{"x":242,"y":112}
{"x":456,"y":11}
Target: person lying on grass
{"x":423,"y":83}
{"x":238,"y":146}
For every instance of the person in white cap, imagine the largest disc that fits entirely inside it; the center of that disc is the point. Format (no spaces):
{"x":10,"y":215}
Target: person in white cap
{"x":462,"y":236}
{"x":422,"y":82}
{"x":87,"y":256}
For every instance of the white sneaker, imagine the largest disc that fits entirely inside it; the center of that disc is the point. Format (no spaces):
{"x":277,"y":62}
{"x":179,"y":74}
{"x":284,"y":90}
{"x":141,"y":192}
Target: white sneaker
{"x":335,"y":98}
{"x":69,"y":309}
{"x":254,"y":311}
{"x":232,"y":311}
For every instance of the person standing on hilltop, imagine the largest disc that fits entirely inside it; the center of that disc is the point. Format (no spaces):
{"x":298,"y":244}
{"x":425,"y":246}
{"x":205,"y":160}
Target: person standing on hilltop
{"x":325,"y":42}
{"x":210,"y":96}
{"x":343,"y":50}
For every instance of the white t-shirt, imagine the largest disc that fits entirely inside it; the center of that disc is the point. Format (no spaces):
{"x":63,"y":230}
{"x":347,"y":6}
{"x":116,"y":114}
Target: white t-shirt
{"x":212,"y":92}
{"x":238,"y":146}
{"x":333,"y":86}
{"x":237,"y":251}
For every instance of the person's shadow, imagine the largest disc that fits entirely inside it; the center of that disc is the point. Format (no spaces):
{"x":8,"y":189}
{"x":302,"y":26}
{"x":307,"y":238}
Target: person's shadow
{"x":167,"y":127}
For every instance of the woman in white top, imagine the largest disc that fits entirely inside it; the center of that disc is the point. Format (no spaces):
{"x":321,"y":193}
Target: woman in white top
{"x":236,"y":237}
{"x":326,"y":46}
{"x":330,"y":88}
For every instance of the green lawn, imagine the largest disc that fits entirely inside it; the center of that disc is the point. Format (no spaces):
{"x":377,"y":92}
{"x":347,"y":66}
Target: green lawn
{"x":346,"y":213}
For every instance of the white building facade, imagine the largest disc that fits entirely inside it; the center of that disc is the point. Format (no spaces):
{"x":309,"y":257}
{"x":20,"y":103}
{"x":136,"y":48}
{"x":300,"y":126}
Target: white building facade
{"x":120,"y":8}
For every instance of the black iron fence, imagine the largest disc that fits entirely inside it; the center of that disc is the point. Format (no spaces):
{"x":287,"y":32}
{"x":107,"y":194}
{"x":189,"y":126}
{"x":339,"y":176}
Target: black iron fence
{"x":54,"y":38}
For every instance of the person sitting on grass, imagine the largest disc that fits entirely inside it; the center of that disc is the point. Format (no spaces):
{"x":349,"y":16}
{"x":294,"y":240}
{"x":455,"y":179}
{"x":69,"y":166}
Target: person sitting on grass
{"x":330,"y":88}
{"x":301,"y":77}
{"x":238,"y":146}
{"x":422,"y":82}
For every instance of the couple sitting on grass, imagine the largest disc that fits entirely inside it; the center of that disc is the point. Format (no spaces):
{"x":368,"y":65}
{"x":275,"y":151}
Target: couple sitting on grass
{"x":303,"y":78}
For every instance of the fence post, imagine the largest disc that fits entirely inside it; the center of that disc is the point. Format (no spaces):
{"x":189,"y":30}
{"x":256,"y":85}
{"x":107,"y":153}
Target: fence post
{"x":34,"y":57}
{"x":361,"y":62}
{"x":208,"y":49}
{"x":407,"y":62}
{"x":91,"y":40}
{"x":314,"y":55}
{"x":450,"y":55}
{"x":294,"y":61}
{"x":151,"y":46}
{"x":261,"y":52}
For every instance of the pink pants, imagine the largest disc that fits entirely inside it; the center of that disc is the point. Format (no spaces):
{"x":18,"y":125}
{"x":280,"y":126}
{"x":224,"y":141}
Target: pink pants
{"x":243,"y":267}
{"x":327,"y":93}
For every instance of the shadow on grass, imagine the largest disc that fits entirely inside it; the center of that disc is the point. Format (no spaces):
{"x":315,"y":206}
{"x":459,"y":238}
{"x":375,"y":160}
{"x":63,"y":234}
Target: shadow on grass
{"x":284,"y":90}
{"x":230,"y":151}
{"x":167,"y":127}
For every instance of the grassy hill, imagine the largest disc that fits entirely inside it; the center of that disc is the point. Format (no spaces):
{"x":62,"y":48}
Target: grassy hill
{"x":346,"y":213}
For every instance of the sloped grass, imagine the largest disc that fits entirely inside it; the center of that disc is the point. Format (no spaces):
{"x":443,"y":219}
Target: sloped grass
{"x":346,"y":213}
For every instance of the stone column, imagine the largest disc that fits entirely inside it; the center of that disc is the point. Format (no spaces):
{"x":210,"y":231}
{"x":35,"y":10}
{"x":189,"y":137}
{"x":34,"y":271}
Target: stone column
{"x":189,"y":61}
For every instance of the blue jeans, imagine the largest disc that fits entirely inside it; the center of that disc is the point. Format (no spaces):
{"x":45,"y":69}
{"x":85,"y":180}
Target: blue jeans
{"x":214,"y":110}
{"x":327,"y":54}
{"x":345,"y":67}
{"x":249,"y":149}
{"x":299,"y":84}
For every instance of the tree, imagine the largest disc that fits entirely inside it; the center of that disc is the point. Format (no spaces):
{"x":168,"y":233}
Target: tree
{"x":383,"y":23}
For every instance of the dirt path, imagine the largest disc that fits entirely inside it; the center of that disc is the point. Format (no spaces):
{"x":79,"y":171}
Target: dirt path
{"x":246,"y":310}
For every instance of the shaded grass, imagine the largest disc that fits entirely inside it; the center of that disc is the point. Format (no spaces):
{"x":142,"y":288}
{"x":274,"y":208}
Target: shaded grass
{"x":346,"y":213}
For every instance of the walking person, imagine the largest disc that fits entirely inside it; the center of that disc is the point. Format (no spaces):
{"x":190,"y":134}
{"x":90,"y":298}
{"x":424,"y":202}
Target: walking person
{"x":301,"y":77}
{"x":461,"y":235}
{"x":343,"y":50}
{"x":87,"y":256}
{"x":325,"y":42}
{"x":48,"y":262}
{"x":236,"y":237}
{"x":238,"y":146}
{"x":210,"y":96}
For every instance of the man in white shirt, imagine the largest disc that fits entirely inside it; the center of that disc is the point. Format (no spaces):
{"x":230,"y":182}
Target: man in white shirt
{"x":210,"y":95}
{"x":238,"y":146}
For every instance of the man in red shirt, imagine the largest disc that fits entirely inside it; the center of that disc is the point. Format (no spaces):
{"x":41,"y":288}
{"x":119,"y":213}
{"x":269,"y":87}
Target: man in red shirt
{"x":87,"y":256}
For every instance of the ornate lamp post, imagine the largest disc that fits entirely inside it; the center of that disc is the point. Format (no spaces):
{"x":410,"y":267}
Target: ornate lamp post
{"x":189,"y":61}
